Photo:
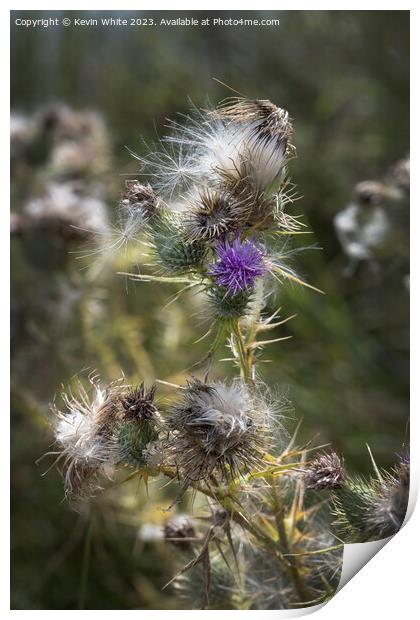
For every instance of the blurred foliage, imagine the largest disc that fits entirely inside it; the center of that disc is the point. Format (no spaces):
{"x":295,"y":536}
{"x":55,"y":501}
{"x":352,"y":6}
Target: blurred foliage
{"x":344,"y":77}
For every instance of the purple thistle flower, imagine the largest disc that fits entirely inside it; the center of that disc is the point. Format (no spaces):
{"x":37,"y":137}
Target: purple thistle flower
{"x":238,"y":265}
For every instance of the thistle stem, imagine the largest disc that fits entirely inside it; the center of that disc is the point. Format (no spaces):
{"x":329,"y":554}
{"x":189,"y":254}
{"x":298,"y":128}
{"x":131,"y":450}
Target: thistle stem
{"x":285,"y":546}
{"x":242,"y":355}
{"x":245,"y":343}
{"x":227,"y":503}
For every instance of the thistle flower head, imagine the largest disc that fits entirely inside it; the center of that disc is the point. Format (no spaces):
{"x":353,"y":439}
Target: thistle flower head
{"x":373,"y":509}
{"x":79,"y":431}
{"x":138,"y":403}
{"x":139,"y":199}
{"x":391,"y":501}
{"x":325,"y":472}
{"x":258,"y":134}
{"x":238,"y":265}
{"x":101,"y":429}
{"x":217,"y":428}
{"x":211,"y":216}
{"x":269,"y":121}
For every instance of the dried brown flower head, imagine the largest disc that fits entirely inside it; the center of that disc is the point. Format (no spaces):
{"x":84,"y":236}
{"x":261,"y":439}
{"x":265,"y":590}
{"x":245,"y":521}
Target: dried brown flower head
{"x":138,"y":403}
{"x":212,"y":215}
{"x":217,"y":429}
{"x":138,"y":197}
{"x":270,"y":121}
{"x":325,"y":472}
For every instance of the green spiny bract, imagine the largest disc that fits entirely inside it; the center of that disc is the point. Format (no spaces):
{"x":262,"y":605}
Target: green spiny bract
{"x":373,"y":509}
{"x":132,"y":438}
{"x":226,"y":307}
{"x":171,"y":250}
{"x":138,"y":425}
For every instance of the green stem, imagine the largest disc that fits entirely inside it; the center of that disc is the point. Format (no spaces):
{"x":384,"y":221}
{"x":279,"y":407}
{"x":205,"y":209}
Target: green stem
{"x":285,"y":546}
{"x":245,"y":343}
{"x":242,"y":354}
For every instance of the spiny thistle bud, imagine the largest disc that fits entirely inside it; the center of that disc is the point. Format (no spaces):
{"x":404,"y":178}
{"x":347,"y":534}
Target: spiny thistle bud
{"x":373,"y":509}
{"x":139,"y":199}
{"x":237,"y":266}
{"x":180,"y":532}
{"x":171,"y":250}
{"x":217,"y":429}
{"x":325,"y":472}
{"x":391,"y":502}
{"x":211,"y":216}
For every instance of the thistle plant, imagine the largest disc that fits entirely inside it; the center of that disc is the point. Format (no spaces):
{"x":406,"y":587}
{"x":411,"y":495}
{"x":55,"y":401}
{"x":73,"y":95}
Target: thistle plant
{"x":213,"y":217}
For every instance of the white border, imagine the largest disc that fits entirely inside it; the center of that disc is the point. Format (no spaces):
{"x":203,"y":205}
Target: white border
{"x":387,"y":586}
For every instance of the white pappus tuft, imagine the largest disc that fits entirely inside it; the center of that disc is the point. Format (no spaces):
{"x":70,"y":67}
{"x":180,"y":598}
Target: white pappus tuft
{"x":85,"y":449}
{"x":218,"y":429}
{"x":96,"y":431}
{"x":240,"y":139}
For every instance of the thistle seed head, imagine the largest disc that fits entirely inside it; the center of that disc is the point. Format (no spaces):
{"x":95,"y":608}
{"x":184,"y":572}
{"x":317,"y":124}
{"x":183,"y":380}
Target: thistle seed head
{"x":69,"y":209}
{"x":217,"y":429}
{"x":245,"y":140}
{"x":326,"y":472}
{"x":211,"y":216}
{"x":371,"y":192}
{"x":270,"y":122}
{"x":258,"y":134}
{"x":80,"y":431}
{"x":101,"y":429}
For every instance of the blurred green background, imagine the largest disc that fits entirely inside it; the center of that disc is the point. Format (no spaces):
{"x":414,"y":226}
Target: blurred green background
{"x":344,"y":77}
